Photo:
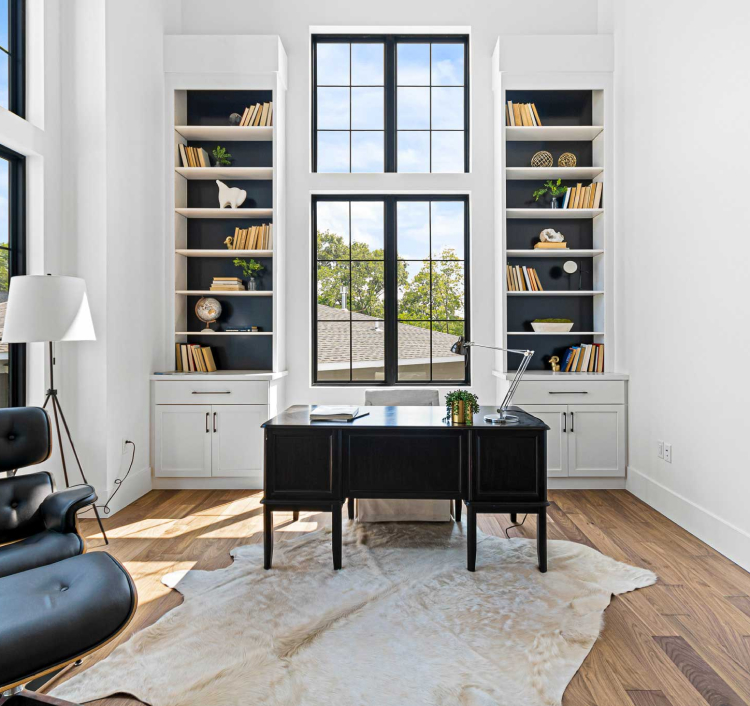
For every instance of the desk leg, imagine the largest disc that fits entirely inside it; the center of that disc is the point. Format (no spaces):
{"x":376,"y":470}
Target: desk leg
{"x":471,"y":538}
{"x":541,"y":539}
{"x":267,"y":537}
{"x":350,"y":508}
{"x":457,"y":504}
{"x":295,"y":515}
{"x":513,"y":517}
{"x":336,"y":538}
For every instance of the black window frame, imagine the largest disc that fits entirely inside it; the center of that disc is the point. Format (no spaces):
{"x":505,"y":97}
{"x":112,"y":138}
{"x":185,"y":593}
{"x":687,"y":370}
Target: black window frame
{"x":16,"y":265}
{"x":390,"y":41}
{"x":391,"y":319}
{"x":16,"y":53}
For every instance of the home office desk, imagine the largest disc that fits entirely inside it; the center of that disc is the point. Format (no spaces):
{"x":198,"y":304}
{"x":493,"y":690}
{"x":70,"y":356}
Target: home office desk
{"x":404,"y":452}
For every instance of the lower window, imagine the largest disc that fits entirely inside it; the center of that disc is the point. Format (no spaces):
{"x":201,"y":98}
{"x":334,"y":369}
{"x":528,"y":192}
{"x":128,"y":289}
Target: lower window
{"x":390,"y":289}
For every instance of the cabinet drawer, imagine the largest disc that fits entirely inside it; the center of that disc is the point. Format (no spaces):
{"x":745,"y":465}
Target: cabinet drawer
{"x":570,"y":392}
{"x":210,"y":392}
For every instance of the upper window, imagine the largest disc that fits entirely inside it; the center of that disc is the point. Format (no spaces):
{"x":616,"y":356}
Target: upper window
{"x":391,"y":289}
{"x":12,"y":51}
{"x":390,"y":103}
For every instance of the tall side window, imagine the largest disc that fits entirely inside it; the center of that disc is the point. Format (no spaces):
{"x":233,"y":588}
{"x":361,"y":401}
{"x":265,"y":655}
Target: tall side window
{"x":390,"y":103}
{"x":390,"y":289}
{"x":12,"y":262}
{"x":12,"y":56}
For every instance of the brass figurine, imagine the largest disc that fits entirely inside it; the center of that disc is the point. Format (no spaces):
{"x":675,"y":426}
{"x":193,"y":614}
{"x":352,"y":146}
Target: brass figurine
{"x":228,"y":242}
{"x":554,"y":361}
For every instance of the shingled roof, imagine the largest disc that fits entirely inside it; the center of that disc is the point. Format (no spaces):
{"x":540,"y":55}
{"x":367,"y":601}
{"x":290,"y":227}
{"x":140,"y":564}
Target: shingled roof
{"x":368,"y":340}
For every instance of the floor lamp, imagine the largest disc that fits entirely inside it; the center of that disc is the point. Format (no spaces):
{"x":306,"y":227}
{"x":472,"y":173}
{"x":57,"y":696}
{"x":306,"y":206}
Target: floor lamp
{"x":47,"y":308}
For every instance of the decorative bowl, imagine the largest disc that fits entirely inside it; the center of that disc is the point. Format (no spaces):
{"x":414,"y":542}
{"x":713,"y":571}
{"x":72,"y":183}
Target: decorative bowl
{"x":547,"y":327}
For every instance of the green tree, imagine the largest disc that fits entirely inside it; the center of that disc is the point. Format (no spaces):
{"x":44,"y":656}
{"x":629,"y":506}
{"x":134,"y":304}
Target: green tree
{"x":4,"y":272}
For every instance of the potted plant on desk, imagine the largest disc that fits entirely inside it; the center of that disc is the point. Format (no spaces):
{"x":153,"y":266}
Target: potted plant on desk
{"x":461,"y":406}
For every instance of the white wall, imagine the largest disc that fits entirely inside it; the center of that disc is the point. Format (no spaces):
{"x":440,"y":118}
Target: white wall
{"x":292,"y":20}
{"x":682,"y":159}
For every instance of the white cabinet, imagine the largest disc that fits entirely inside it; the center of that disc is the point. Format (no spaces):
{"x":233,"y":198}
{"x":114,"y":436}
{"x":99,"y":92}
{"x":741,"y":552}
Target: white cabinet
{"x":237,"y":445}
{"x":183,"y":440}
{"x":554,"y":416}
{"x":596,"y":440}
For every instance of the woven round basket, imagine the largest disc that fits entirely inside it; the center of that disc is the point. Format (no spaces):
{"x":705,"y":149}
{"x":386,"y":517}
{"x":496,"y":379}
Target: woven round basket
{"x":542,"y":159}
{"x":567,"y":159}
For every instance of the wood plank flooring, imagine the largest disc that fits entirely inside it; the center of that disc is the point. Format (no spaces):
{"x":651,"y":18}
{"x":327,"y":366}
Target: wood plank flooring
{"x":683,"y":642}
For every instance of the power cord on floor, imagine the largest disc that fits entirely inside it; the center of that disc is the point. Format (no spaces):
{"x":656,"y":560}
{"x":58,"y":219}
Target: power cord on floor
{"x":518,"y":524}
{"x":119,"y":481}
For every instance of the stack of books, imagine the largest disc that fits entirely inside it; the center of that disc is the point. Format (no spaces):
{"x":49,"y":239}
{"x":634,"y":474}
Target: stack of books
{"x":550,"y":246}
{"x":194,"y":156}
{"x":521,"y":114}
{"x":227,"y":284}
{"x":258,"y":115}
{"x":523,"y":279}
{"x":255,"y":238}
{"x":192,"y":358}
{"x":586,"y":358}
{"x":241,"y":329}
{"x":580,"y":196}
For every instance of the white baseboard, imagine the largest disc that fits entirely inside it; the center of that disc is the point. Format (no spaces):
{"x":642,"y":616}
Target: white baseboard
{"x":243,"y":483}
{"x":137,"y":484}
{"x":724,"y":537}
{"x":585,"y":483}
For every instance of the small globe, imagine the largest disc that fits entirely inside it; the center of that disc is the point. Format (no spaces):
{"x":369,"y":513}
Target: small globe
{"x":208,"y":309}
{"x":234,"y":119}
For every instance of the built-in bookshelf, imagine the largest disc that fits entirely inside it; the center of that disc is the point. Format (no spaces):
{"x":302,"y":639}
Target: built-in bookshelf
{"x":571,"y":108}
{"x":201,"y":119}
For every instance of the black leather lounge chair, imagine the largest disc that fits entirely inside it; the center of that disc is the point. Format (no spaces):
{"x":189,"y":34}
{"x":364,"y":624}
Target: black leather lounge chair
{"x":57,"y":604}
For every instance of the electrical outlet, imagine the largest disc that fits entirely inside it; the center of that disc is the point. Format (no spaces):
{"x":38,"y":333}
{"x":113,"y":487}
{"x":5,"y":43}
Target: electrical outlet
{"x":668,"y":453}
{"x":660,"y":448}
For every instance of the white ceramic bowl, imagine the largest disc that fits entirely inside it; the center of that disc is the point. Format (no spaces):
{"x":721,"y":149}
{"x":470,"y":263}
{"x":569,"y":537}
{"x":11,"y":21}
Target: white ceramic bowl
{"x":542,"y":327}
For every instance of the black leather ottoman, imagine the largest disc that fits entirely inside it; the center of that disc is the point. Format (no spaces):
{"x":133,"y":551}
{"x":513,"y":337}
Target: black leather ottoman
{"x":53,"y":615}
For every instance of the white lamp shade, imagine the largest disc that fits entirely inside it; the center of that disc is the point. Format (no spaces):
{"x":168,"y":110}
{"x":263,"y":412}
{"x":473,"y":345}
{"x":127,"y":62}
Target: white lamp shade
{"x":47,"y":308}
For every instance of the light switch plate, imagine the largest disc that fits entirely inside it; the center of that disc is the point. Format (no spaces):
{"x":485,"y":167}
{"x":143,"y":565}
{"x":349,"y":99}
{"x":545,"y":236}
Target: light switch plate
{"x":668,"y":453}
{"x":660,"y":448}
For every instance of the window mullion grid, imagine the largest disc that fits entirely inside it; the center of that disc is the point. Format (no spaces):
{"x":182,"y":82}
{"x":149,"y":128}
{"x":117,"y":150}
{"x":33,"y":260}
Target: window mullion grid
{"x":390,"y":105}
{"x":391,"y":291}
{"x":429,"y":221}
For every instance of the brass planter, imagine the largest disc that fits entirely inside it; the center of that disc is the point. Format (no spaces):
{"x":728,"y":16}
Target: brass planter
{"x":461,"y":413}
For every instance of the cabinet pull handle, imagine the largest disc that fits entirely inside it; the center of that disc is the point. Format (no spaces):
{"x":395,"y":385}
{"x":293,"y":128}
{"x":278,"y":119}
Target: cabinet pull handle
{"x":572,"y":421}
{"x":563,"y":392}
{"x":565,"y":422}
{"x":214,"y":422}
{"x":206,"y":422}
{"x":209,"y":392}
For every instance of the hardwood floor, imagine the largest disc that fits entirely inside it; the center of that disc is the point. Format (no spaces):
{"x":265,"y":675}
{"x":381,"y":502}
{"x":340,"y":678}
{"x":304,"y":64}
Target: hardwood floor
{"x":682,"y":642}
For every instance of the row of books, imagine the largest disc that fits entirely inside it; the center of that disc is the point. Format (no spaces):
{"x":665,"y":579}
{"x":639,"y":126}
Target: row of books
{"x":192,"y":358}
{"x":523,"y":279}
{"x":194,"y":156}
{"x":580,"y":196}
{"x":258,"y":115}
{"x":227,"y":284}
{"x":586,"y":358}
{"x":521,"y":114}
{"x":255,"y":238}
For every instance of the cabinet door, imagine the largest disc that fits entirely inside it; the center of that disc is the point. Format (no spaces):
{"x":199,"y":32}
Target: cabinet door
{"x":238,"y":440}
{"x":596,"y":440}
{"x":556,"y":418}
{"x":183,"y":440}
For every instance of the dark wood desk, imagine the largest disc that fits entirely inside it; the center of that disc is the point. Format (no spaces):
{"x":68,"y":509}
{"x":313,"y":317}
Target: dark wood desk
{"x":405,"y":452}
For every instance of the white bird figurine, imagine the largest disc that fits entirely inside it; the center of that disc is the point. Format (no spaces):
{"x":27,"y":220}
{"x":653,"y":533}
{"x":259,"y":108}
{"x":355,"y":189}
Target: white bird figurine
{"x":230,"y":195}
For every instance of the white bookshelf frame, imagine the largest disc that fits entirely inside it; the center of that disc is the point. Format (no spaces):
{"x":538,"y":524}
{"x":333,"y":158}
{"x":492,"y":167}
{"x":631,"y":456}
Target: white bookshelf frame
{"x":267,"y":54}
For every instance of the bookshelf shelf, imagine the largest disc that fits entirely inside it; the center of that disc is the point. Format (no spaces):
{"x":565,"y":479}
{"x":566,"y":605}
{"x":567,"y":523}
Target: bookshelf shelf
{"x":539,"y":173}
{"x":225,"y":132}
{"x":553,"y":253}
{"x":213,"y":293}
{"x":224,"y":333}
{"x":225,"y":172}
{"x":559,"y":293}
{"x":556,"y":333}
{"x":544,"y":214}
{"x":561,"y":133}
{"x":187,"y":252}
{"x":225,"y":212}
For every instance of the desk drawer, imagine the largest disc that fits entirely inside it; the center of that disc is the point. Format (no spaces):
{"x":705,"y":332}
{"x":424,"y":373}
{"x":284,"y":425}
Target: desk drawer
{"x":210,"y":392}
{"x":570,"y":392}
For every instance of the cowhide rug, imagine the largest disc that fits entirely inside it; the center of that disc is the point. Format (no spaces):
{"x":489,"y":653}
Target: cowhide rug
{"x":402,"y":624}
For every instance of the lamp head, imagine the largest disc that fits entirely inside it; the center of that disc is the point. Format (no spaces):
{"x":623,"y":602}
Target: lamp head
{"x":460,"y":347}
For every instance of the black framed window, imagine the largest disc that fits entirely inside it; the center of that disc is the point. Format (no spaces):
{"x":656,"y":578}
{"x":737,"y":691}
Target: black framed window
{"x":12,"y":56}
{"x":12,"y":262}
{"x":390,"y":289}
{"x":390,"y":103}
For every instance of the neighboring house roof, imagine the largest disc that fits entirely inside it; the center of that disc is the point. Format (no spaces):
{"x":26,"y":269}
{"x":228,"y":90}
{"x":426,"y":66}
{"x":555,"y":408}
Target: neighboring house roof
{"x":368,"y":340}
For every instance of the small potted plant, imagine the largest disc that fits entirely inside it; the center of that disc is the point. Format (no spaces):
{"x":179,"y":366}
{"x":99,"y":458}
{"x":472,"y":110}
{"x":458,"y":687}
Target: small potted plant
{"x":552,"y":325}
{"x":461,"y":406}
{"x":252,"y":270}
{"x":555,"y":191}
{"x":222,"y":157}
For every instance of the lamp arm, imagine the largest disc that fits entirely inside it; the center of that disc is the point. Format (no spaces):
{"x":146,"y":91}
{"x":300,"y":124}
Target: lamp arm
{"x":471,"y":344}
{"x":513,"y":385}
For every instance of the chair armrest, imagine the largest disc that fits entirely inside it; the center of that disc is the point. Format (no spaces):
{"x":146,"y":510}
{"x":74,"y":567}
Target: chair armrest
{"x":59,"y":509}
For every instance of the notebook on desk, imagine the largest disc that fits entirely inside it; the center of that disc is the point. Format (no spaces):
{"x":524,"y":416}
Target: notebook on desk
{"x":333,"y":413}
